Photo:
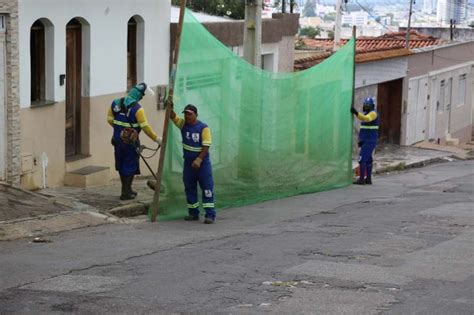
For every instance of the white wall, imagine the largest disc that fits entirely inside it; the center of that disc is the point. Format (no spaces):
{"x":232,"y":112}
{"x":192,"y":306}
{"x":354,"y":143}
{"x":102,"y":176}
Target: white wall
{"x":437,"y":117}
{"x":266,"y":49}
{"x":108,"y":41}
{"x":374,"y":72}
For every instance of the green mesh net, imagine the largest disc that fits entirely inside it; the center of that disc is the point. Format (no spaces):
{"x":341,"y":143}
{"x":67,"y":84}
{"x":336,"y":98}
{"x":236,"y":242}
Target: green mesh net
{"x":274,"y":134}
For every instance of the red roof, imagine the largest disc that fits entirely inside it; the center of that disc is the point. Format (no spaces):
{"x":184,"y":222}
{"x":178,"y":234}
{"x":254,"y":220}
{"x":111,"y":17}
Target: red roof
{"x":389,"y":45}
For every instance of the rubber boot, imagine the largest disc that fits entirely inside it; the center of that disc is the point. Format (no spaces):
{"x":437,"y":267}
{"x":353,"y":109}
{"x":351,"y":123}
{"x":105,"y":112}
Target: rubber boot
{"x":132,"y":192}
{"x":368,"y":179}
{"x":362,"y":170}
{"x":127,"y":193}
{"x":122,"y":180}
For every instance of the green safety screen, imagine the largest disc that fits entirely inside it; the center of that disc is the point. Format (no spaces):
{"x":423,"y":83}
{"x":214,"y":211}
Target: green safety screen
{"x":274,"y":135}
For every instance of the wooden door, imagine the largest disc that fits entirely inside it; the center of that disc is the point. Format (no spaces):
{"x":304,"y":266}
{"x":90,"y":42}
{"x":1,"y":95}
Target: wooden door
{"x":389,"y":102}
{"x":131,"y":54}
{"x":73,"y":87}
{"x":37,"y":55}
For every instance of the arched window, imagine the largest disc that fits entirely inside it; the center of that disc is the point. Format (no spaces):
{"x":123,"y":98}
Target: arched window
{"x":77,"y":85}
{"x":135,"y":48}
{"x":41,"y":61}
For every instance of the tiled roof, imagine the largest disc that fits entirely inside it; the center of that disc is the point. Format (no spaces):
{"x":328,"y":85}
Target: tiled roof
{"x":318,"y":57}
{"x":386,"y":46}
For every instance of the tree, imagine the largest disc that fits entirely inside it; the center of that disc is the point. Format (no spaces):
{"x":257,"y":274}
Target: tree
{"x":471,"y":24}
{"x":310,"y":32}
{"x":331,"y":34}
{"x":309,"y":9}
{"x":232,"y":8}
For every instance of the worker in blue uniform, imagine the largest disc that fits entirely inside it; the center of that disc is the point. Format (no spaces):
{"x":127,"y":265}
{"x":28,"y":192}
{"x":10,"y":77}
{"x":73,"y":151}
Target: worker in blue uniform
{"x":128,"y":118}
{"x":196,"y":139}
{"x":368,"y":136}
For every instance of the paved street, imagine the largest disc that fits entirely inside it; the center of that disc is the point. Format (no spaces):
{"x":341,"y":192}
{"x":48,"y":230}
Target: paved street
{"x":402,"y":246}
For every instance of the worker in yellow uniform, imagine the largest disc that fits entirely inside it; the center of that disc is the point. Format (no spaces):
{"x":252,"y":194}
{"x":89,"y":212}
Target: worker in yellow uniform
{"x":196,"y":140}
{"x":128,"y":118}
{"x":368,"y":136}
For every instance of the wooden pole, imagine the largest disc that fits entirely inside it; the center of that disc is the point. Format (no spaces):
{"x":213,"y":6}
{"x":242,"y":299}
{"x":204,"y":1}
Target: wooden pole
{"x":155,"y":205}
{"x":354,"y":34}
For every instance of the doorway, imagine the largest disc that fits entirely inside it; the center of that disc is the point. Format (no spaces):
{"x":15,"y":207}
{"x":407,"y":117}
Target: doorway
{"x":389,"y":102}
{"x":73,"y":87}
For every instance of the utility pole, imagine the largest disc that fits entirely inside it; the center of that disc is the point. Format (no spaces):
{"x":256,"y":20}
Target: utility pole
{"x":407,"y":39}
{"x":451,"y":29}
{"x":250,"y":122}
{"x":155,"y":205}
{"x":253,"y":32}
{"x":337,"y":27}
{"x":283,"y":6}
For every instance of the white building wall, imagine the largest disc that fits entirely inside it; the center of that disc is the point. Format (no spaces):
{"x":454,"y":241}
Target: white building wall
{"x":370,"y":73}
{"x":108,"y":41}
{"x":444,"y":114}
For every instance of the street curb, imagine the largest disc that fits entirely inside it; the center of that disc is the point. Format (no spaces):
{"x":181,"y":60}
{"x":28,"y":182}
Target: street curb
{"x":402,"y":166}
{"x":130,"y":210}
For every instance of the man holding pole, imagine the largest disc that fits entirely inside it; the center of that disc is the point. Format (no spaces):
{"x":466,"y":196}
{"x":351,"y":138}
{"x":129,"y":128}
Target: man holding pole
{"x":196,"y":138}
{"x":368,"y":136}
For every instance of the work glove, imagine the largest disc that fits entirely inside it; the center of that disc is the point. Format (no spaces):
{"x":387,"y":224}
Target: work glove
{"x":196,"y":164}
{"x":354,"y":111}
{"x":159,"y":140}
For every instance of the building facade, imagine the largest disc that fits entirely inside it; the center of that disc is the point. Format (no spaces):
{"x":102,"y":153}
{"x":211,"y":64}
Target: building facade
{"x":438,"y":93}
{"x":75,"y":58}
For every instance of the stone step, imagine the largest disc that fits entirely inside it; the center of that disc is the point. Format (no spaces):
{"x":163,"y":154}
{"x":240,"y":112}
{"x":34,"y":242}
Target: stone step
{"x":88,"y":176}
{"x":452,"y":141}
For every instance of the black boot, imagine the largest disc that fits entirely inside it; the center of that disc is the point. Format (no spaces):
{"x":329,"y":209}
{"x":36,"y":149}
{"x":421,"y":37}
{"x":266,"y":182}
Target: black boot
{"x":368,"y":181}
{"x":360,"y":181}
{"x":132,"y":192}
{"x":127,"y":193}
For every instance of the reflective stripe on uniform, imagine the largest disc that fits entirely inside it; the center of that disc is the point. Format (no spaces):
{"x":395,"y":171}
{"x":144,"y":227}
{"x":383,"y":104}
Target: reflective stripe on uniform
{"x":125,"y":124}
{"x":192,"y":149}
{"x":208,"y":205}
{"x":369,"y":127}
{"x":194,"y":206}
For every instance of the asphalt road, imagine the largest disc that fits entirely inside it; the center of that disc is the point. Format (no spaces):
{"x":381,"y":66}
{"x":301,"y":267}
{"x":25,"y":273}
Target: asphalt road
{"x":401,"y":246}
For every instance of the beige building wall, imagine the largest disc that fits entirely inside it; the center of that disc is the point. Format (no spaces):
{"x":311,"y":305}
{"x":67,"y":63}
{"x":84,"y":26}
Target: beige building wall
{"x":43,"y":138}
{"x":104,"y":78}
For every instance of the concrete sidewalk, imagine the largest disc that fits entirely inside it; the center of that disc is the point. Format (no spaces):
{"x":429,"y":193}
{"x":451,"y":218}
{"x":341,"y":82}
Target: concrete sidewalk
{"x":24,"y":214}
{"x":106,"y":199}
{"x":389,"y":157}
{"x":28,"y":214}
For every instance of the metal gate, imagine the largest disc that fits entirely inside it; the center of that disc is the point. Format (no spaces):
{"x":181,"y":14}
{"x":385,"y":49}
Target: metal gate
{"x":417,"y":110}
